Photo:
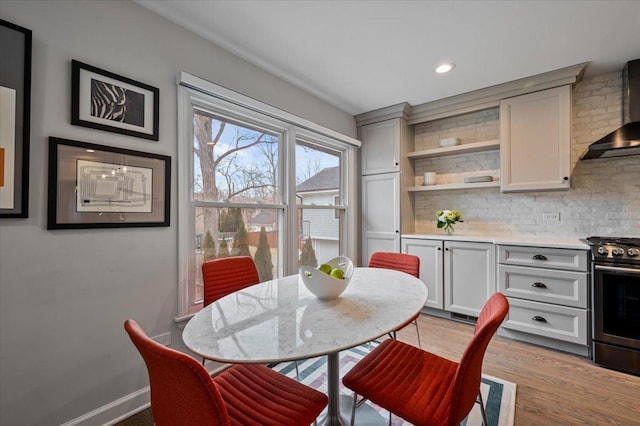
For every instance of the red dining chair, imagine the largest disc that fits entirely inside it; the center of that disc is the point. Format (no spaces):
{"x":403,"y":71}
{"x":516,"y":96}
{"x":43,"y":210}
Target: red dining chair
{"x":423,"y":388}
{"x":183,"y":393}
{"x":400,"y":262}
{"x":226,"y":275}
{"x":223,"y":276}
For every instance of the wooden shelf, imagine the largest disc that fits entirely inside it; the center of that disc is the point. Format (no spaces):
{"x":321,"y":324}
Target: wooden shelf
{"x":447,"y":186}
{"x":456,"y":149}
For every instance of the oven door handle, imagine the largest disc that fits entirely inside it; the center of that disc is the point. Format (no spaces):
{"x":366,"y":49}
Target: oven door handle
{"x":618,"y":269}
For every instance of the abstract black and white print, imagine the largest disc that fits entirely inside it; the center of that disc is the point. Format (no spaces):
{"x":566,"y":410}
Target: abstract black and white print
{"x":116,"y":103}
{"x":107,"y":187}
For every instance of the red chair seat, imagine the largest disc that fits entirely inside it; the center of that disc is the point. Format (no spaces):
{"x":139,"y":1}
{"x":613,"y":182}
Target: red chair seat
{"x":256,"y":395}
{"x":404,"y":380}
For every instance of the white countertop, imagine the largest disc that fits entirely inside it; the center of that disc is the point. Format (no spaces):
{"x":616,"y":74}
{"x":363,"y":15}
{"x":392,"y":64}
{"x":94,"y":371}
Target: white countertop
{"x":512,"y":240}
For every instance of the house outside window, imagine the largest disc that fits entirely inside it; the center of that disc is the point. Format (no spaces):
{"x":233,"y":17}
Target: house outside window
{"x":241,"y":170}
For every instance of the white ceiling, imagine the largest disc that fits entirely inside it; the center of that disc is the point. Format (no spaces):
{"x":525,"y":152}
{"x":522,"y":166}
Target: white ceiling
{"x":364,"y":55}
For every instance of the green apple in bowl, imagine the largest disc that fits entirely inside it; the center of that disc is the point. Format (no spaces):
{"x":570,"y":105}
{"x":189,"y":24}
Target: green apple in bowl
{"x":337,"y":273}
{"x":326,"y":268}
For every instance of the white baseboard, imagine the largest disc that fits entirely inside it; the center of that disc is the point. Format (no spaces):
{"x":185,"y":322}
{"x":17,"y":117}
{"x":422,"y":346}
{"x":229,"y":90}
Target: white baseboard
{"x":125,"y":407}
{"x":114,"y":411}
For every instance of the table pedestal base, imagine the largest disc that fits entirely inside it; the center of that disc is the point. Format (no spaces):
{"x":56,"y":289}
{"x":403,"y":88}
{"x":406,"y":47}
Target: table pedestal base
{"x":338,"y":411}
{"x":366,"y":415}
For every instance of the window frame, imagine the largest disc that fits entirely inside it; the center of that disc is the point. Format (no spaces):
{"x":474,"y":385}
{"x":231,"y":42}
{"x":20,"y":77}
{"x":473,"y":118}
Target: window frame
{"x":199,"y":93}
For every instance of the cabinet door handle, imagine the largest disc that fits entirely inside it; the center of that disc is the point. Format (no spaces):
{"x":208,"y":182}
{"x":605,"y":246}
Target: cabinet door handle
{"x":447,"y":249}
{"x":396,"y":163}
{"x":565,"y":178}
{"x":439,"y":248}
{"x":538,"y":285}
{"x":397,"y":232}
{"x":539,"y":319}
{"x":539,"y":257}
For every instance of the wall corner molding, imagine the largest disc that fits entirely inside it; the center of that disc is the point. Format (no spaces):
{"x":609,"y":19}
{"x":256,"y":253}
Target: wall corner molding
{"x":402,"y":110}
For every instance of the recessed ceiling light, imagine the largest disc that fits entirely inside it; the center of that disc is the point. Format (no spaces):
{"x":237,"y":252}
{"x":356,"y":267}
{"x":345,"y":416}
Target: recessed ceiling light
{"x":444,"y":68}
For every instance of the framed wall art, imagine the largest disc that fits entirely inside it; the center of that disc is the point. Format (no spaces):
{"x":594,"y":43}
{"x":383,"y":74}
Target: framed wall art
{"x":15,"y":107}
{"x":96,"y":186}
{"x":106,"y":101}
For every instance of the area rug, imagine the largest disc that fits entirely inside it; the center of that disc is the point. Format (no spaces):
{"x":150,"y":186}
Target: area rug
{"x":499,"y":395}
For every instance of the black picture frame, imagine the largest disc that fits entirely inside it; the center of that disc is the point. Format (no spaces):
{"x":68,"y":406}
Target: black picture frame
{"x":15,"y":119}
{"x":106,"y":101}
{"x":97,"y":186}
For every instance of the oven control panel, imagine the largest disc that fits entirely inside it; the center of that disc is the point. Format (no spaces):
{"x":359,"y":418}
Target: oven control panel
{"x":615,"y":250}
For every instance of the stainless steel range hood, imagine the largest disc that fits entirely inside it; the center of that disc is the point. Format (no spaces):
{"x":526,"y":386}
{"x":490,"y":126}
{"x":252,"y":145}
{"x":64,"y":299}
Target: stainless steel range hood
{"x":626,"y":140}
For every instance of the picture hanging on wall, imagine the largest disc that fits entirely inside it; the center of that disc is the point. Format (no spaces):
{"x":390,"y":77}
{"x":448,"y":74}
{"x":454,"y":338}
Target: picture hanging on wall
{"x":15,"y":107}
{"x":96,"y":186}
{"x":106,"y":101}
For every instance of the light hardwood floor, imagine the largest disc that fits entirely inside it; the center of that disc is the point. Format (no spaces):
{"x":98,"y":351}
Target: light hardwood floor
{"x":553,"y":388}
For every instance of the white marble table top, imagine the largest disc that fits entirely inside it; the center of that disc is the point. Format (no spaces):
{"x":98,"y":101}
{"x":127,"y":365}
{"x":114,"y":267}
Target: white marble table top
{"x":281,"y":320}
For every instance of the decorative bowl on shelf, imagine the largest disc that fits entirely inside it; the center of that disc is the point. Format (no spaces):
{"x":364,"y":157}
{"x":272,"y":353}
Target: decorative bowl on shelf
{"x":323,"y":285}
{"x":475,"y":179}
{"x":449,"y":142}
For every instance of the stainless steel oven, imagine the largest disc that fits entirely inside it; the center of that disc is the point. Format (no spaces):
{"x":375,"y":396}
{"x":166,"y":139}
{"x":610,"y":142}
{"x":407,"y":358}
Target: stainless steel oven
{"x":616,"y":303}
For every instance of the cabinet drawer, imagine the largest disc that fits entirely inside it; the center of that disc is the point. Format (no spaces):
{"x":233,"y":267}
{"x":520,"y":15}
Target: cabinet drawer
{"x":544,"y":285}
{"x":556,"y":322}
{"x":574,"y":260}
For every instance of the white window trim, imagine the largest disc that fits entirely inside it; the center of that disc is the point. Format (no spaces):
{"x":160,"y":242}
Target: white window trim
{"x":191,"y":89}
{"x":220,"y":92}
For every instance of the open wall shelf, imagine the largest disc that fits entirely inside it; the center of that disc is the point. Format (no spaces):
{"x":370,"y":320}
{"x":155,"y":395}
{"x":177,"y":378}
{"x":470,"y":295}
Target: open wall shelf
{"x":456,"y":149}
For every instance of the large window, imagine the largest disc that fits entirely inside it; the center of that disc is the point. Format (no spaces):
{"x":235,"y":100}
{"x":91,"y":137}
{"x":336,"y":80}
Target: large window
{"x":254,"y":182}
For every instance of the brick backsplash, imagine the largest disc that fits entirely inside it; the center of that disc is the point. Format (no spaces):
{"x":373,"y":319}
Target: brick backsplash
{"x":604,"y":198}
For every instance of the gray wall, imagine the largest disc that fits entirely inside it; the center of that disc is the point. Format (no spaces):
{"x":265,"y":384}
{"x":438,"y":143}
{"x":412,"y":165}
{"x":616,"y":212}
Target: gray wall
{"x":65,"y":294}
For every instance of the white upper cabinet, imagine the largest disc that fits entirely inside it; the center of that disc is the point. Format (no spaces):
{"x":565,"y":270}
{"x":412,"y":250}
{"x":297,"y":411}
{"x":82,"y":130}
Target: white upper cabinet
{"x":381,"y":147}
{"x":535,"y":141}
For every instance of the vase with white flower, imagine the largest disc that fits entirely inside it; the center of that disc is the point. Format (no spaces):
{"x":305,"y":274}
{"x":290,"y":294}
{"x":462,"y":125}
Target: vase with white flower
{"x":447,"y":218}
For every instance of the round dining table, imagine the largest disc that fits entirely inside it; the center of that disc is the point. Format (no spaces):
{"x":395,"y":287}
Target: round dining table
{"x":280,"y":320}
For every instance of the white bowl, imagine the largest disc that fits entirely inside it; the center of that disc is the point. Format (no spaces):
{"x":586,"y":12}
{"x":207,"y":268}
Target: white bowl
{"x":449,"y":142}
{"x":326,"y":287}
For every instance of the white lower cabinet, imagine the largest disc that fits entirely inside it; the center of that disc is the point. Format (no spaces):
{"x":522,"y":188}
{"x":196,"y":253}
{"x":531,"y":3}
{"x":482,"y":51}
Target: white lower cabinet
{"x":469,"y":276}
{"x":547,"y":291}
{"x":459,"y":275}
{"x":553,"y":321}
{"x":431,"y":267}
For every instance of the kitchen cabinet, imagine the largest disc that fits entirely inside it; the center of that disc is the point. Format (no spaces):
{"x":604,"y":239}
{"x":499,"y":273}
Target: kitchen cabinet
{"x":430,"y":253}
{"x":380,"y":147}
{"x":459,"y":275}
{"x":535,"y":141}
{"x":548,"y":295}
{"x":469,"y":276}
{"x":385,"y":209}
{"x":380,"y":214}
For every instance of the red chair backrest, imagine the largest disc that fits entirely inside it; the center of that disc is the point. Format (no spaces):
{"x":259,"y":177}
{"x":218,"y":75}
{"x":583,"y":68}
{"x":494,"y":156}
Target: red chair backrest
{"x":469,"y":373}
{"x":224,"y":276}
{"x":182,"y":392}
{"x":398,"y":261}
